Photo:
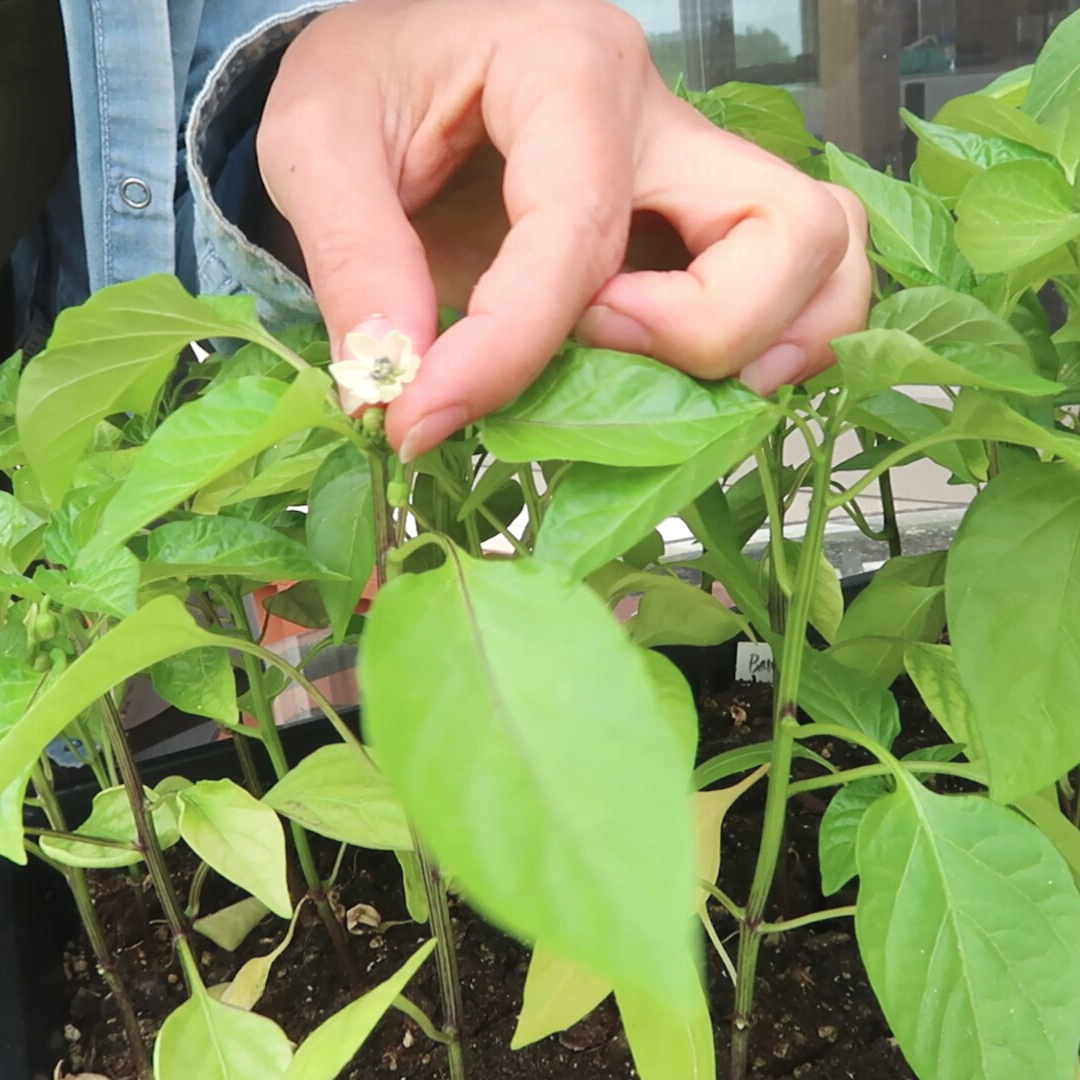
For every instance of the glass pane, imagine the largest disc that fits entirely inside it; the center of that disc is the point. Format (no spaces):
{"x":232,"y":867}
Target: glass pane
{"x":851,"y":63}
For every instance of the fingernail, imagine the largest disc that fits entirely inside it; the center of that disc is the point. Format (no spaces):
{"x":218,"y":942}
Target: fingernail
{"x":430,"y":430}
{"x":376,"y":326}
{"x":780,"y":365}
{"x":604,"y":327}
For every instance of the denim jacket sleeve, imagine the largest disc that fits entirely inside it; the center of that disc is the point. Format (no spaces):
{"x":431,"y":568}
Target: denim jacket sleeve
{"x":221,"y":167}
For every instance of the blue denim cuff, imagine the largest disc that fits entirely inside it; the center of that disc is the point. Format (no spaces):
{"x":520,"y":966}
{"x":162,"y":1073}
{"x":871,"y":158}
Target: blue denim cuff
{"x":222,"y":169}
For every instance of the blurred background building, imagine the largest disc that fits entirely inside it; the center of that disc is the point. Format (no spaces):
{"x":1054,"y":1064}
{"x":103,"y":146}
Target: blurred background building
{"x":851,"y":63}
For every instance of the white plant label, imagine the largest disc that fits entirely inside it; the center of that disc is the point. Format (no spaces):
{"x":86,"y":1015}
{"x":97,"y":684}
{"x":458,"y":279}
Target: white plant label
{"x":754,"y":662}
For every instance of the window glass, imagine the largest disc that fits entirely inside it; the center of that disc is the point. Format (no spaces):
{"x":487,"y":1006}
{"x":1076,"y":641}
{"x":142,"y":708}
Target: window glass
{"x":851,"y":63}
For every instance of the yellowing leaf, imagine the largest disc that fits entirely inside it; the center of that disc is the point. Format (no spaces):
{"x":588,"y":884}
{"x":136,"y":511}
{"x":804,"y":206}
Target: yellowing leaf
{"x":558,"y":993}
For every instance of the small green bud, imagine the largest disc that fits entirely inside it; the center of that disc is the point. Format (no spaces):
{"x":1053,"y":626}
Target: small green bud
{"x":372,"y":423}
{"x":46,"y":626}
{"x":42,"y":662}
{"x":397,"y":493}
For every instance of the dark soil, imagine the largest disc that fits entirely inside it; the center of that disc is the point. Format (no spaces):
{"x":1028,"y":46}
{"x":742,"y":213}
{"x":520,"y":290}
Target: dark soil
{"x":816,"y":1019}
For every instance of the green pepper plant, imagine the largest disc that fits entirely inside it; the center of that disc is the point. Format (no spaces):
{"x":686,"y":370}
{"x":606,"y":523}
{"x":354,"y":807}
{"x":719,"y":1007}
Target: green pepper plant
{"x":518,"y":740}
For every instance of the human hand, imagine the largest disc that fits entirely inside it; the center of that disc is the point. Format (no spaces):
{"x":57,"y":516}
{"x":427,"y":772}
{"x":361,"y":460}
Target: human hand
{"x":625,"y":217}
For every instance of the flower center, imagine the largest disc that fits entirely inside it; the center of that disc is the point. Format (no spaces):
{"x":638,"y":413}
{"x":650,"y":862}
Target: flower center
{"x":382,"y":370}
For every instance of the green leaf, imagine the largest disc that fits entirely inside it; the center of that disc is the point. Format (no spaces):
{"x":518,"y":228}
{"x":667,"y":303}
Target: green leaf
{"x":19,"y":682}
{"x":769,"y":116}
{"x":515,"y":762}
{"x":646,"y":552}
{"x":1044,"y":812}
{"x":199,"y":681}
{"x":111,"y":819}
{"x":558,"y":993}
{"x":212,"y":1041}
{"x":20,"y":529}
{"x":341,"y":531}
{"x":335,"y":793}
{"x":968,"y":922}
{"x":949,"y":157}
{"x":105,"y":585}
{"x":826,"y":596}
{"x":229,"y":927}
{"x":839,"y":831}
{"x":898,"y":611}
{"x":742,"y":758}
{"x":1010,"y":87}
{"x":672,"y":612}
{"x":982,"y":416}
{"x":301,"y":604}
{"x":248,"y":985}
{"x":160,"y":629}
{"x":875,"y":360}
{"x":1013,"y":214}
{"x":599,"y":511}
{"x":1013,"y":633}
{"x":614,"y":408}
{"x":667,"y":1047}
{"x":324,"y":1053}
{"x":239,"y":837}
{"x":1064,"y":127}
{"x":1056,"y":75}
{"x":832,"y":693}
{"x":676,"y":704}
{"x":412,"y":880}
{"x":911,"y":229}
{"x":110,"y":355}
{"x":74,"y":522}
{"x":932,"y":668}
{"x":981,"y":114}
{"x":206,"y":438}
{"x":216,"y":546}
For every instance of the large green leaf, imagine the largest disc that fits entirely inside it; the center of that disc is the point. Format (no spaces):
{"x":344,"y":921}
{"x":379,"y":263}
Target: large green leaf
{"x":104,"y":585}
{"x":599,"y":511}
{"x":162,"y":628}
{"x":875,"y":360}
{"x":215,"y":546}
{"x":900,"y":417}
{"x":982,"y":416}
{"x":212,"y":1041}
{"x":1013,"y":214}
{"x":676,"y":704}
{"x":912,"y":230}
{"x":982,"y":114}
{"x":341,"y":531}
{"x":239,"y":837}
{"x":949,"y":157}
{"x":329,"y":1048}
{"x":968,"y":922}
{"x":614,"y":408}
{"x":767,"y":115}
{"x":1010,"y":87}
{"x":111,"y":818}
{"x":334,"y":793}
{"x":19,"y":682}
{"x":1013,"y":596}
{"x":673,"y":612}
{"x":932,"y":668}
{"x":1056,"y":75}
{"x":880,"y":623}
{"x":667,"y":1047}
{"x":839,"y":831}
{"x":204,"y":440}
{"x":107,"y":356}
{"x":200,"y":681}
{"x":502,"y":755}
{"x":558,"y":993}
{"x":832,"y":693}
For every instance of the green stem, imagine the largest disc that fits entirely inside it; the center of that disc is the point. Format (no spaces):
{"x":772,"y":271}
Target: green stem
{"x":272,"y":741}
{"x":384,"y":520}
{"x":144,"y":828}
{"x":867,"y":772}
{"x":854,"y":511}
{"x":445,"y":958}
{"x":769,"y":465}
{"x":897,"y":457}
{"x":195,"y":892}
{"x":81,"y":838}
{"x":891,"y":523}
{"x":95,"y":933}
{"x":532,"y":501}
{"x":785,"y":724}
{"x":247,"y":766}
{"x":421,"y":1020}
{"x":723,"y":900}
{"x":807,"y":920}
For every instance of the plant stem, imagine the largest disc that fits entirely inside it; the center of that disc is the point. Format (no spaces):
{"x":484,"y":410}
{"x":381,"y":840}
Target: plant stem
{"x":446,"y":959}
{"x":807,"y":920}
{"x":421,"y":1020}
{"x":890,"y":522}
{"x":81,"y":838}
{"x":144,"y":828}
{"x":964,"y":770}
{"x":779,"y":579}
{"x":785,"y":723}
{"x":95,"y":933}
{"x":247,"y":766}
{"x":195,"y":892}
{"x":384,"y":519}
{"x":271,"y":737}
{"x":532,"y":502}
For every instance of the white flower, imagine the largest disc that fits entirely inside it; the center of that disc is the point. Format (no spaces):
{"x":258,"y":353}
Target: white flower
{"x":376,"y":371}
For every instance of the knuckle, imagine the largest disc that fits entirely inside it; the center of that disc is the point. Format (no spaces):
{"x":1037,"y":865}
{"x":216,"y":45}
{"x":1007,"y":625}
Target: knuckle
{"x":821,"y":225}
{"x":852,"y":207}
